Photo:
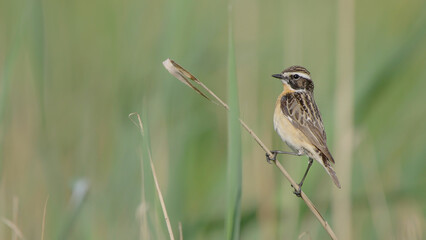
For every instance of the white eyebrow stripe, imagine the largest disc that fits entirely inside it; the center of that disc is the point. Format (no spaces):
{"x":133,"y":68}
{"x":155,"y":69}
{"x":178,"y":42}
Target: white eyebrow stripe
{"x":303,"y":75}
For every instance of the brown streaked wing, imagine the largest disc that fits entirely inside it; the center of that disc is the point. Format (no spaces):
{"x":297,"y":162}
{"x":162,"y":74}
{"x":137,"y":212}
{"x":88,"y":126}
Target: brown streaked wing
{"x":301,"y":109}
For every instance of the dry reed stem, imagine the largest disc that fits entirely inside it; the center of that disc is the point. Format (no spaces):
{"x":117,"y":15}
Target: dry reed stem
{"x":183,"y":75}
{"x":180,"y":231}
{"x":14,"y":228}
{"x":44,"y":219}
{"x":305,"y":234}
{"x":344,"y":116}
{"x":15,"y":210}
{"x":142,"y":209}
{"x":157,"y":186}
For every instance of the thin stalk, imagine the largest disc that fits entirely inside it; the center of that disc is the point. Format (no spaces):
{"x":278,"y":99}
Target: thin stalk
{"x":180,"y":231}
{"x":44,"y":219}
{"x":184,"y":76}
{"x":15,"y":211}
{"x":13,"y":227}
{"x":157,"y":186}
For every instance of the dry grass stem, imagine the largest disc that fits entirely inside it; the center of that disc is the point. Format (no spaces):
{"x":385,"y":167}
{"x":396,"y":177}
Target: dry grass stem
{"x":14,"y":228}
{"x":157,"y":186}
{"x":303,"y":234}
{"x":180,"y":231}
{"x":143,"y":208}
{"x":44,"y":219}
{"x":15,"y":210}
{"x":184,"y":76}
{"x":344,"y":116}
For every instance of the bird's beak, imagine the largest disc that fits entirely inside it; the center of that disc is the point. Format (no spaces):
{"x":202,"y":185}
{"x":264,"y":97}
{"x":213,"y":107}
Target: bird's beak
{"x":279,"y":76}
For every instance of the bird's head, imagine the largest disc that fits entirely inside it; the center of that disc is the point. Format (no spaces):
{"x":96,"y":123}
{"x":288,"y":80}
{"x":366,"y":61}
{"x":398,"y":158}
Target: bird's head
{"x":297,"y":78}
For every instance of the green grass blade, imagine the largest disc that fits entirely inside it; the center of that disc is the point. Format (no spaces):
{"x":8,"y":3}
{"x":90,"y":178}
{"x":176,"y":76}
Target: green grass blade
{"x":234,"y":145}
{"x":38,"y":44}
{"x":6,"y":71}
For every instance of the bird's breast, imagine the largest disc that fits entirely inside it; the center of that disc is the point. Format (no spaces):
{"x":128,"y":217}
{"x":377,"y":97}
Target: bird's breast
{"x":293,"y":137}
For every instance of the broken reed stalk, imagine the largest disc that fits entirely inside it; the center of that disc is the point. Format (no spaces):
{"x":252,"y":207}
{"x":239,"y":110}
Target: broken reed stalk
{"x":184,"y":76}
{"x":157,"y":185}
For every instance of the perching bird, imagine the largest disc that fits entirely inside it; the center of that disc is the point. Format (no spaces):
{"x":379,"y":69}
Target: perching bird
{"x":298,"y":121}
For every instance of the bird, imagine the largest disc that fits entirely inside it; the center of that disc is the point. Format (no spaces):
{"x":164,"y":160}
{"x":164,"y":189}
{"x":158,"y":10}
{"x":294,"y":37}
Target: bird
{"x":298,"y":122}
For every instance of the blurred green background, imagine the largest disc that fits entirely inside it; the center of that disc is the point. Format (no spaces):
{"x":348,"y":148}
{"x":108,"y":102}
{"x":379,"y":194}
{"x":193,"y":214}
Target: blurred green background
{"x":72,"y":71}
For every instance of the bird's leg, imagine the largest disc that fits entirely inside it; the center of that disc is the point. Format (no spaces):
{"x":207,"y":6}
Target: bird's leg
{"x":276,"y":152}
{"x":299,"y":191}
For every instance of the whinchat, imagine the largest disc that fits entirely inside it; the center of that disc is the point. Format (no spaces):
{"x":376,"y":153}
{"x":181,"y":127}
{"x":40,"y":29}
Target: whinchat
{"x":298,"y":122}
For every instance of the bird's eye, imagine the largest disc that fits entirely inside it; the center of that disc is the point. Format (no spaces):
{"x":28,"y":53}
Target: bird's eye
{"x":296,"y":76}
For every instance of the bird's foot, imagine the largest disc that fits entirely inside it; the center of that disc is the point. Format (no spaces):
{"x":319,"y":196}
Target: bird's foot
{"x":297,"y":191}
{"x":269,"y":159}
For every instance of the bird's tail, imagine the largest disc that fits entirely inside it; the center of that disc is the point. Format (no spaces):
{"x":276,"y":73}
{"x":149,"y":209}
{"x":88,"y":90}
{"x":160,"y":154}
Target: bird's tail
{"x":332,"y":173}
{"x":327,"y":159}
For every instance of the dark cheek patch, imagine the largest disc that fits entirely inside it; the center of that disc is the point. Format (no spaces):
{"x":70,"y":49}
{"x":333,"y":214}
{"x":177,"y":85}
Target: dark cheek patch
{"x":294,"y":84}
{"x":299,"y":84}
